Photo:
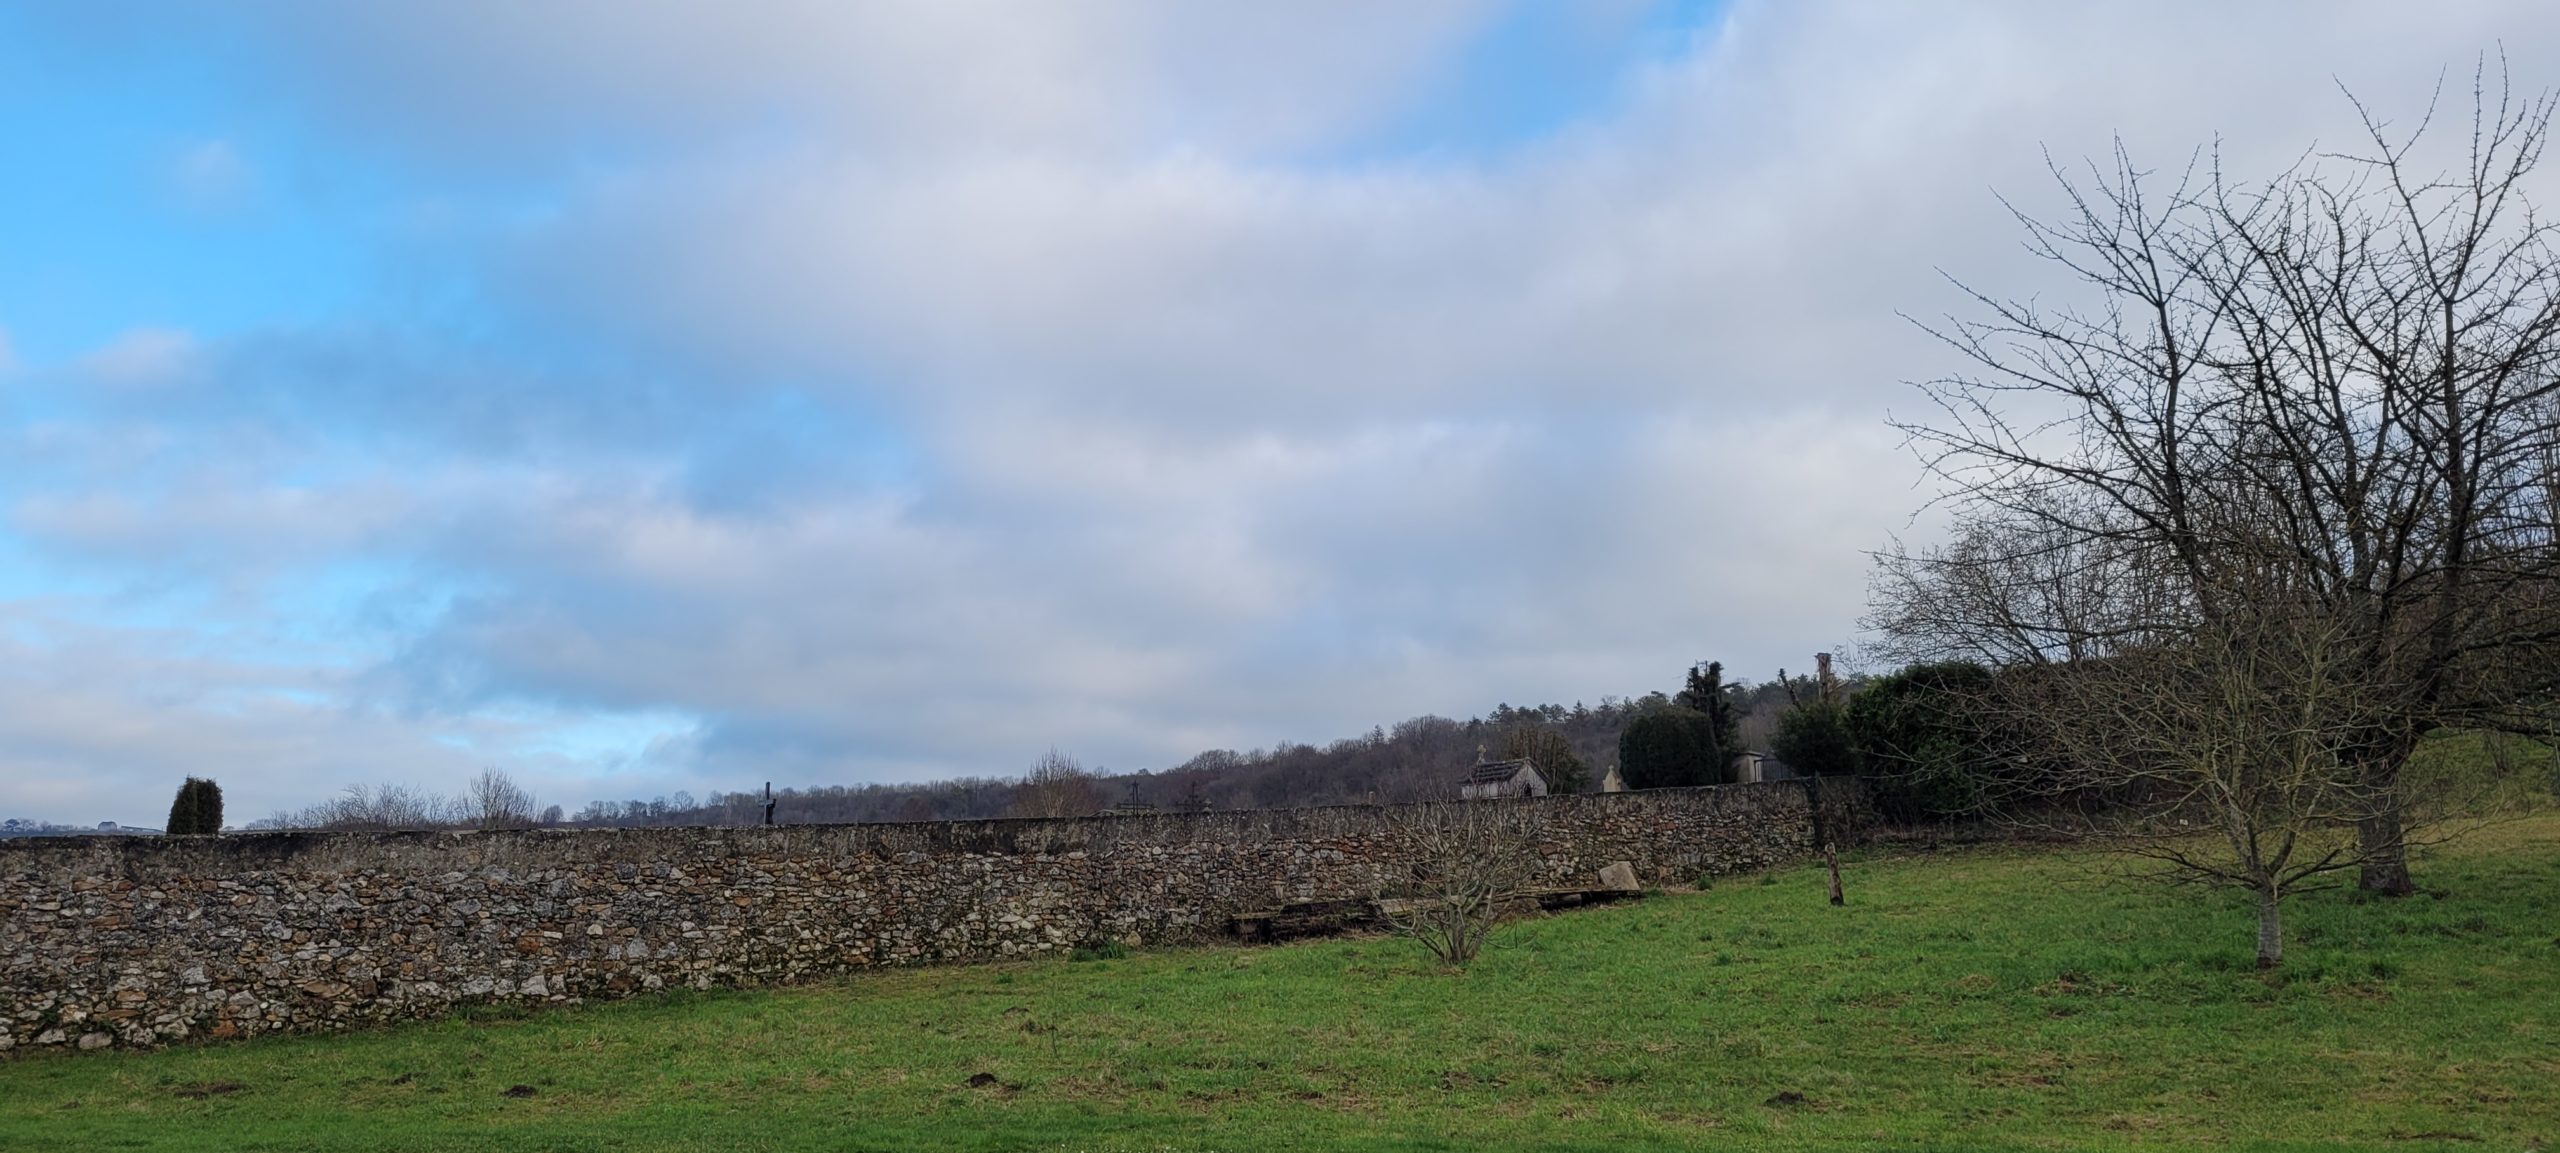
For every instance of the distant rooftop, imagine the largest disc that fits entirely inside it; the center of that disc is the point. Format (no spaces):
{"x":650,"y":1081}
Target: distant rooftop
{"x":1494,"y":772}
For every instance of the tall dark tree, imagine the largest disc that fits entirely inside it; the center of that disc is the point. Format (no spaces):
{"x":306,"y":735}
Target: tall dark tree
{"x":1692,"y":739}
{"x":1711,"y":697}
{"x":1663,"y":749}
{"x":182,"y":811}
{"x":197,"y":808}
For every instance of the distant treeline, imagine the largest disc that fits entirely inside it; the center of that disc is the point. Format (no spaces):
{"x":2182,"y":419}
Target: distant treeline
{"x":1421,"y":758}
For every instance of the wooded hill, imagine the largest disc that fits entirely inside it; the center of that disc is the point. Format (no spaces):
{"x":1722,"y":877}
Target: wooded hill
{"x":1416,"y":759}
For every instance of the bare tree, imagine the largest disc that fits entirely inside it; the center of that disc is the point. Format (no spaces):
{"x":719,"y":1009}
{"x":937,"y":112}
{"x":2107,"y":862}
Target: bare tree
{"x":497,"y":802}
{"x":1553,"y":754}
{"x":388,"y":806}
{"x":2241,"y":728}
{"x":2346,"y":373}
{"x":1467,"y":860}
{"x":1056,"y":786}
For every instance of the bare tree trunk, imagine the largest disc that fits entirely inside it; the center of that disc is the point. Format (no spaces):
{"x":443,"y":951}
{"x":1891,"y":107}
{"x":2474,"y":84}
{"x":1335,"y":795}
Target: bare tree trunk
{"x":2270,"y":929}
{"x":1813,"y":812}
{"x":2382,"y":844}
{"x":1822,"y":833}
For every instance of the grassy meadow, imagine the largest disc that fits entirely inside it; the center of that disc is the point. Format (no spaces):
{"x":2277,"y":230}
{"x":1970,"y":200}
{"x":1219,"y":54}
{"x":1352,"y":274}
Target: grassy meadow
{"x":1972,"y":999}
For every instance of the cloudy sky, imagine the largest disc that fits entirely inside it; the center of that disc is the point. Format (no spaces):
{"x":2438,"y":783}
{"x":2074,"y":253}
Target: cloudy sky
{"x":640,"y":395}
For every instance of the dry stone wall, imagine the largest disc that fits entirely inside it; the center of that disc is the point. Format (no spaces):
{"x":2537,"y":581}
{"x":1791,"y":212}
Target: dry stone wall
{"x":141,"y":941}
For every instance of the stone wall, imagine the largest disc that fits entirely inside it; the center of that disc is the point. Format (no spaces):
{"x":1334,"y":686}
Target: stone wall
{"x":140,"y":941}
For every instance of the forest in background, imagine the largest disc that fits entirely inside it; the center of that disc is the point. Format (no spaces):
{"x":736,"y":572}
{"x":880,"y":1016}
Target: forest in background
{"x":1420,"y":758}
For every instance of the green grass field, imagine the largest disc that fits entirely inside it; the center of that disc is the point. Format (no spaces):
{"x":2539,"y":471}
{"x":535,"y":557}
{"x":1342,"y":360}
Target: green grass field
{"x":1982,"y":999}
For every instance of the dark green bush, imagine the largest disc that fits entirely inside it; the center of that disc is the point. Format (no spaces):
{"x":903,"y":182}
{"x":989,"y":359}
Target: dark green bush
{"x":1924,"y":739}
{"x":1814,"y":740}
{"x":1671,"y":748}
{"x":197,"y":809}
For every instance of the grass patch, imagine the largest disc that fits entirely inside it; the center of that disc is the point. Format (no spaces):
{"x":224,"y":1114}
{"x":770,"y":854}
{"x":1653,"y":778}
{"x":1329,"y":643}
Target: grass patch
{"x":1104,"y":951}
{"x":1983,"y":999}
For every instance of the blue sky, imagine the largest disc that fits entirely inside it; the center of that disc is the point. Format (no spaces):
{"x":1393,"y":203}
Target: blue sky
{"x":648,"y":395}
{"x":183,"y":190}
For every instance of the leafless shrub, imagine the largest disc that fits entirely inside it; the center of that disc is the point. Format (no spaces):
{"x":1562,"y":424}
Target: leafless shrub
{"x":1468,"y":859}
{"x":391,"y":806}
{"x":1056,"y":786}
{"x":497,"y":802}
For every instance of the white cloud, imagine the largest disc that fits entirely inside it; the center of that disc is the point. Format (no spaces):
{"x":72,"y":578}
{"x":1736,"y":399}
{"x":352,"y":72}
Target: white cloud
{"x":1264,"y":589}
{"x":212,"y":175}
{"x":103,"y":723}
{"x":143,"y":358}
{"x":965,"y":75}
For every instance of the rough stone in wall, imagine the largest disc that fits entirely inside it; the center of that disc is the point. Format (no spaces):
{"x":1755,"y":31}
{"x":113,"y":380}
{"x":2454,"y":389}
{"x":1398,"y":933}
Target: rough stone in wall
{"x":135,"y":941}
